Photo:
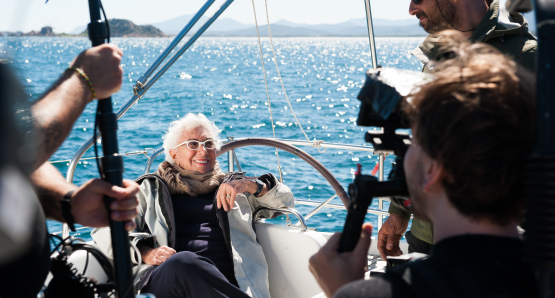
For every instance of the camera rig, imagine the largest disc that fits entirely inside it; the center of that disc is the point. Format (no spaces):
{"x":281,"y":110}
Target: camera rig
{"x":381,"y":97}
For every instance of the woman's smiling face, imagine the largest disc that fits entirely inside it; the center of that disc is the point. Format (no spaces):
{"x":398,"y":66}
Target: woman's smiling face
{"x":202,"y":160}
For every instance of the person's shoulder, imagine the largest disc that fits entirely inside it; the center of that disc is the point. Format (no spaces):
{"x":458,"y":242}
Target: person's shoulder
{"x":528,"y":58}
{"x":383,"y":286}
{"x":517,"y":42}
{"x":528,"y":46}
{"x":520,"y":48}
{"x":149,"y":178}
{"x":152,"y":182}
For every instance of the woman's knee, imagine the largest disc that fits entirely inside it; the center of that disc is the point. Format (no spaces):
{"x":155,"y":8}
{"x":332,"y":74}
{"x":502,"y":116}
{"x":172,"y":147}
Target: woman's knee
{"x":181,"y":260}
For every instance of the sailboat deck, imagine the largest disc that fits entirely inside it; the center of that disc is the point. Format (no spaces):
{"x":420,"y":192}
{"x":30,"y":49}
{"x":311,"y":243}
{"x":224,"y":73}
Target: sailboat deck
{"x":375,"y":264}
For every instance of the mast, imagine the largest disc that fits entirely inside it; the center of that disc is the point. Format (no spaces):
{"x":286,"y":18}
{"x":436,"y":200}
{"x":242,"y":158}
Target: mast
{"x":381,"y":155}
{"x":371,"y":34}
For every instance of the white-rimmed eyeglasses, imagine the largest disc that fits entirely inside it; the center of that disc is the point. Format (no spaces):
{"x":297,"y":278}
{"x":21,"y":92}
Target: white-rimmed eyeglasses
{"x":194,"y":144}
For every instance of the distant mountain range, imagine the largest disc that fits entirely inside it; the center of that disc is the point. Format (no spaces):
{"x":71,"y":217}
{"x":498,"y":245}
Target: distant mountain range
{"x":283,"y":28}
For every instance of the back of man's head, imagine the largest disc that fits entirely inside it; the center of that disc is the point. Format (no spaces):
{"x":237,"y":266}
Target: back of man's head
{"x":476,"y":120}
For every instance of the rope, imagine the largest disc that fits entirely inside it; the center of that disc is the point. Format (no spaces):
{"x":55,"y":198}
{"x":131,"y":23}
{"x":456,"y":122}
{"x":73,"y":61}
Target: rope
{"x":136,"y":88}
{"x":266,"y":83}
{"x":316,"y":144}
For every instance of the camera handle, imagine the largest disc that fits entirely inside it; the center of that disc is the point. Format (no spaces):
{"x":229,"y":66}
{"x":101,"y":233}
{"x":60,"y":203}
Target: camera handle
{"x":361,"y":192}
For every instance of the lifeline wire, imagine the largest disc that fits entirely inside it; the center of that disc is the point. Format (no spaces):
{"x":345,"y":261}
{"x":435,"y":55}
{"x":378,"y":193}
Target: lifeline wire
{"x":315,"y":143}
{"x":266,"y":83}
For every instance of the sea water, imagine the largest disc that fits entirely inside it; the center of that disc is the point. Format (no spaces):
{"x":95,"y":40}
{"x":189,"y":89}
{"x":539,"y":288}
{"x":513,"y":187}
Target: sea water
{"x":223,"y":78}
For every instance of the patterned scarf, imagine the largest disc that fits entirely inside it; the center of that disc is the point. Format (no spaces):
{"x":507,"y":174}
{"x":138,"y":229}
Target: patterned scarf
{"x":181,"y":181}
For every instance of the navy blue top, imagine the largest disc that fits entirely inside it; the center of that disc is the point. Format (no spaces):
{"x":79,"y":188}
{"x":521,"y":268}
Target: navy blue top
{"x":197,"y":230}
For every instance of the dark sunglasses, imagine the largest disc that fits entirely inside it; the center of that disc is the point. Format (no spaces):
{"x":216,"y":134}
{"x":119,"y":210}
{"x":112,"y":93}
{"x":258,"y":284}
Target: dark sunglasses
{"x":417,"y":1}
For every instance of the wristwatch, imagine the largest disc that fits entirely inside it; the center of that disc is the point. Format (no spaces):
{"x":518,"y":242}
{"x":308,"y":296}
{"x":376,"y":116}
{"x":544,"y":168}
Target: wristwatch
{"x":65,"y":202}
{"x":260,"y":185}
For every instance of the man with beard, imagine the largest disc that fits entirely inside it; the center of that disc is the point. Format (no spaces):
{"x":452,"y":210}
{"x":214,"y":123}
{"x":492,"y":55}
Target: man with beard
{"x":479,"y":21}
{"x":472,"y":126}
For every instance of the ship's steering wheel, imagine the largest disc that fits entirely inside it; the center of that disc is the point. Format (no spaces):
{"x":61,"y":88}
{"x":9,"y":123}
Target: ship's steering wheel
{"x":297,"y":152}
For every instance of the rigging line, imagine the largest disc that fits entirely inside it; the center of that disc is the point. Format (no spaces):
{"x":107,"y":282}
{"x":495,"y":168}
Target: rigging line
{"x":314,"y":143}
{"x":266,"y":83}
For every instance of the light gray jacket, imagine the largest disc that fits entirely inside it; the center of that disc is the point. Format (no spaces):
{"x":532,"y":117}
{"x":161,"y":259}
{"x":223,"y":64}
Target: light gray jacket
{"x":156,"y":215}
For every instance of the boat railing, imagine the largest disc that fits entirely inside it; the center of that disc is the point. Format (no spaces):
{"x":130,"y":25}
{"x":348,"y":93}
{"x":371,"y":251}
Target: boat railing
{"x":299,"y":216}
{"x":233,"y":162}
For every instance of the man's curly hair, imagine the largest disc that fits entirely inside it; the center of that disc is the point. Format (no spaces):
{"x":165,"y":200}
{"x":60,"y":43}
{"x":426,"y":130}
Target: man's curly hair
{"x":477,"y":120}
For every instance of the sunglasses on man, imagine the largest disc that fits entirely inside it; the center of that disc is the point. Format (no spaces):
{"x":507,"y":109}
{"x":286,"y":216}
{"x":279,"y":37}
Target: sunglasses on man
{"x":195,"y":145}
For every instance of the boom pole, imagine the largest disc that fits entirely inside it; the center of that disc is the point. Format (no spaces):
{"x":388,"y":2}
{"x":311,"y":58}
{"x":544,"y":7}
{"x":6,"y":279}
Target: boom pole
{"x":112,"y":167}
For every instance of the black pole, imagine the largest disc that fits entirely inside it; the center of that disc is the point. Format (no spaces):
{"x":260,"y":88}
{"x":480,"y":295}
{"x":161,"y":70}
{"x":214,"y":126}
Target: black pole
{"x":539,"y":182}
{"x":112,"y":166}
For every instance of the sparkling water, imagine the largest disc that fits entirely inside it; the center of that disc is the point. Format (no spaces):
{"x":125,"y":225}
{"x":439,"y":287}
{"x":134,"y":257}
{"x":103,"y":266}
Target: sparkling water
{"x":223,"y":78}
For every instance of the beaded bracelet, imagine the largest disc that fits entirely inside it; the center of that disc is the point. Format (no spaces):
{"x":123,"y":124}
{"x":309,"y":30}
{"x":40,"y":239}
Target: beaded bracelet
{"x":82,"y":74}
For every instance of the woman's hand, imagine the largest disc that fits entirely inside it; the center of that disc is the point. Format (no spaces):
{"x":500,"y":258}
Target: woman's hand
{"x":228,"y":191}
{"x":156,"y":256}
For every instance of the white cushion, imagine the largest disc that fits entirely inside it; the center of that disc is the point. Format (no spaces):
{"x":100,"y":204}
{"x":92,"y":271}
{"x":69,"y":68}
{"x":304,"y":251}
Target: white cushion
{"x":287,"y":251}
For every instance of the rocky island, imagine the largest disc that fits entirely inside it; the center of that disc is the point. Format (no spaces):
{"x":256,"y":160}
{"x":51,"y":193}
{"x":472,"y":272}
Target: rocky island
{"x":118,"y":28}
{"x":125,"y":28}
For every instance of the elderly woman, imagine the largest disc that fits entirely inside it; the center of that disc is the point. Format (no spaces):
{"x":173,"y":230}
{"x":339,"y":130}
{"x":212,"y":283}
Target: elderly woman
{"x":195,"y":222}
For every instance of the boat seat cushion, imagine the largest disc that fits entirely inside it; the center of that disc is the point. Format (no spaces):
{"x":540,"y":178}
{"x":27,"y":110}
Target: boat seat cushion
{"x":287,"y":251}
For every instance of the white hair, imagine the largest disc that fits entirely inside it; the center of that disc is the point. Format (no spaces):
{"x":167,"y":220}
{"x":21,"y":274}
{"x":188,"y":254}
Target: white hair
{"x":190,"y":121}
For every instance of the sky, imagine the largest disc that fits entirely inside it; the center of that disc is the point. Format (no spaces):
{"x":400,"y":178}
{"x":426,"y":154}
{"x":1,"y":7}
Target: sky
{"x":66,"y":15}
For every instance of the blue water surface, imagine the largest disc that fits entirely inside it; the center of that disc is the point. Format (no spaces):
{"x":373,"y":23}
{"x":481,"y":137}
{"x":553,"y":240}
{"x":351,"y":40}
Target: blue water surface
{"x":223,"y":78}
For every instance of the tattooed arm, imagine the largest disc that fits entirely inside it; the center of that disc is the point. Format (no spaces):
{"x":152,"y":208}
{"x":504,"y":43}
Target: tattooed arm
{"x":58,"y":109}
